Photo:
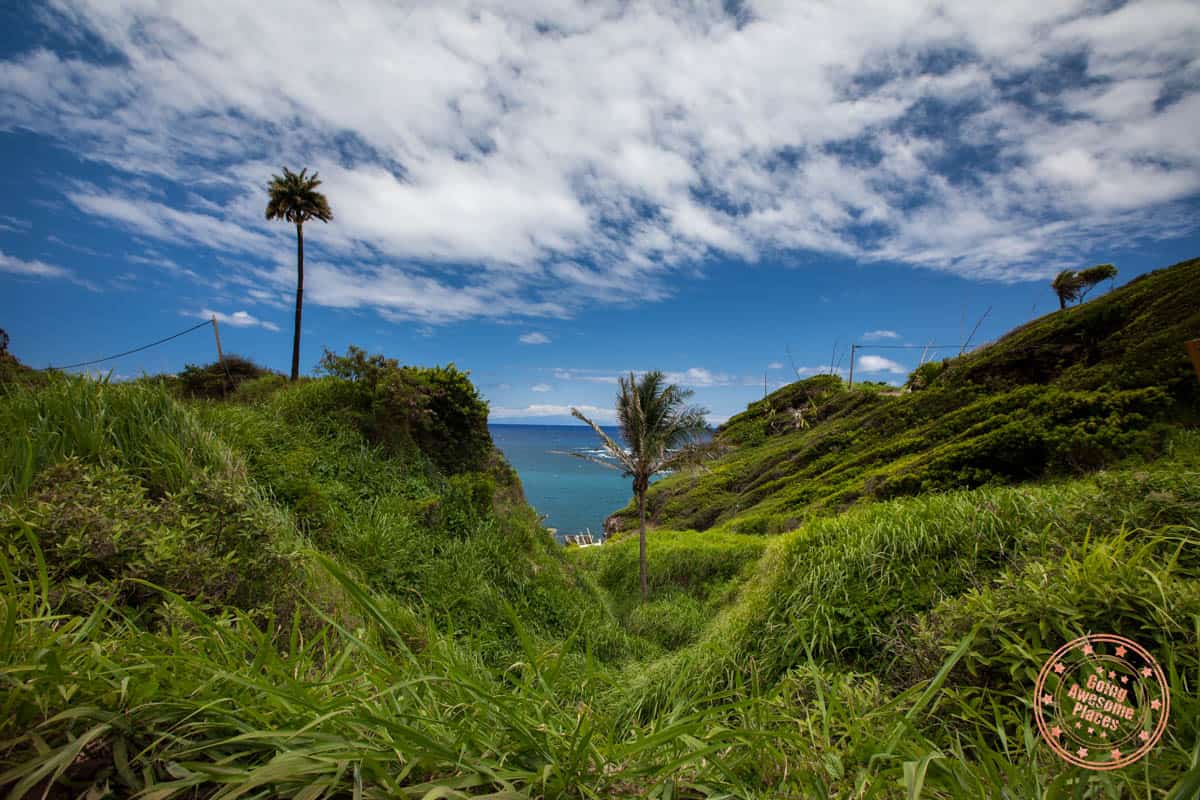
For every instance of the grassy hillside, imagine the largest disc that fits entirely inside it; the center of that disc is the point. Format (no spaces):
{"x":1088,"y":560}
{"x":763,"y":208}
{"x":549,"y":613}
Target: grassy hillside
{"x":219,"y":589}
{"x":1068,"y":393}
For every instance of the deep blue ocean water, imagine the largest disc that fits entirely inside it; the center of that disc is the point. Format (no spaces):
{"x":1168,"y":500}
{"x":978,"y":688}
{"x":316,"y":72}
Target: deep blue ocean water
{"x":575,"y":495}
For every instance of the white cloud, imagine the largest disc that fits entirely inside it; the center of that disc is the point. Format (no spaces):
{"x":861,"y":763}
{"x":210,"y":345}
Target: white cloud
{"x":880,"y":364}
{"x":534,"y":337}
{"x":40,"y":269}
{"x":571,"y":150}
{"x":699,"y":376}
{"x":587,"y":375}
{"x":876,"y":335}
{"x":595,"y":413}
{"x":238,"y":319}
{"x":775,"y":365}
{"x":540,"y":387}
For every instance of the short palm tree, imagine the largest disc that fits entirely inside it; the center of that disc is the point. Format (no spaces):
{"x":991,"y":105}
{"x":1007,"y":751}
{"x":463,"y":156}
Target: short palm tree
{"x":294,"y":198}
{"x":1067,"y":286}
{"x":657,"y":424}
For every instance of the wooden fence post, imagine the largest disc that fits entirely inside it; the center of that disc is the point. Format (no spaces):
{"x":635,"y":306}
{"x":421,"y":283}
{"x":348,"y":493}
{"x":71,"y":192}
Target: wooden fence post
{"x":217,"y":336}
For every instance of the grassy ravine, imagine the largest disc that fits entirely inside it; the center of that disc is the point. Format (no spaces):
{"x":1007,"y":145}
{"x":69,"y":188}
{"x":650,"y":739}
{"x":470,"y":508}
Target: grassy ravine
{"x":282,"y":594}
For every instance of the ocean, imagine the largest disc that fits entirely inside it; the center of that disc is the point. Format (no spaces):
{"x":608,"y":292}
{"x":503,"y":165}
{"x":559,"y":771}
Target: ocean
{"x":575,"y":495}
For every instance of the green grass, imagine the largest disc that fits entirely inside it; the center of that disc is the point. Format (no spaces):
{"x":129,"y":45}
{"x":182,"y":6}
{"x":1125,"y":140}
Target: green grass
{"x":254,"y":598}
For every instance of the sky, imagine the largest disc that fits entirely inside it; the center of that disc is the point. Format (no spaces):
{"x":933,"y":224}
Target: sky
{"x":551,"y":193}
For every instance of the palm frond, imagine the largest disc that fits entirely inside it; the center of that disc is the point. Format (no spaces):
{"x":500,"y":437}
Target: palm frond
{"x":590,"y":458}
{"x":611,"y":446}
{"x":294,"y":197}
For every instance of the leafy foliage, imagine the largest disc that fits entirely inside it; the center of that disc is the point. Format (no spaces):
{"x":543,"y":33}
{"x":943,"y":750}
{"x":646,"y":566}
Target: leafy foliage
{"x":435,"y":409}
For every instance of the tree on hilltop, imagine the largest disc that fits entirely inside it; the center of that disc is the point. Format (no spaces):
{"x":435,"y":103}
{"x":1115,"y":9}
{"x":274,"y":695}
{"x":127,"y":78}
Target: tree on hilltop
{"x":293,"y":197}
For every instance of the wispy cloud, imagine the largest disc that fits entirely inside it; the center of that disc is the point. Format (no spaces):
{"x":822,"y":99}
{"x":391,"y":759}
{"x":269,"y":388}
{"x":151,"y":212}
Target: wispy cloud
{"x":540,"y":387}
{"x":40,"y":269}
{"x":775,"y":365}
{"x":871,"y":336}
{"x":238,"y":319}
{"x":534,"y":337}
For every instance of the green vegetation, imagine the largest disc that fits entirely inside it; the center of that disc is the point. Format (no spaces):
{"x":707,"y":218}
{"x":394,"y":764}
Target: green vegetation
{"x":334,"y":588}
{"x":1070,"y":285}
{"x":1063,"y":395}
{"x":658,"y":428}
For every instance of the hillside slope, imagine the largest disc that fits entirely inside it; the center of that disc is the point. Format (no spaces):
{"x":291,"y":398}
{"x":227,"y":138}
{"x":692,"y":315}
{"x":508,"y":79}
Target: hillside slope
{"x":1067,"y":393}
{"x":281,"y":594}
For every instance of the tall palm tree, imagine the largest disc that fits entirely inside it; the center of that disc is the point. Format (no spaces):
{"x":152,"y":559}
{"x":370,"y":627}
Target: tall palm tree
{"x":657,"y":424}
{"x":294,"y":198}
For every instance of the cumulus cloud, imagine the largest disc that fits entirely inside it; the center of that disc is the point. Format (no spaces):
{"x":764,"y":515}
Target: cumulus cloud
{"x":881,"y":334}
{"x":238,"y":319}
{"x":40,"y":269}
{"x":880,"y":364}
{"x":568,"y":150}
{"x":534,"y":337}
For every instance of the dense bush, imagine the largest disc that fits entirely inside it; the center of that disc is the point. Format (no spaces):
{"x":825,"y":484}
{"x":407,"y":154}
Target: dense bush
{"x":436,"y":409}
{"x":220,"y":378}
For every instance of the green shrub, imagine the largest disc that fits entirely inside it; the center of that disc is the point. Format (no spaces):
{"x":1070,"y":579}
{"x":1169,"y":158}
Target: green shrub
{"x":923,"y":376}
{"x":436,"y":409}
{"x":220,"y":378}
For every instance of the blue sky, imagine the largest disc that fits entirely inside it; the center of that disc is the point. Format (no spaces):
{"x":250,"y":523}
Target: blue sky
{"x":549,"y":194}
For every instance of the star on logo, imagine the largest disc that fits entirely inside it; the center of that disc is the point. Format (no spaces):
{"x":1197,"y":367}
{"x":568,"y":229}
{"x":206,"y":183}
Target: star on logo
{"x":1116,"y":753}
{"x":1083,"y":751}
{"x":1124,"y":679}
{"x":1059,"y":668}
{"x":1143,"y":735}
{"x":1088,"y":649}
{"x":1055,"y":732}
{"x":1091,"y":730}
{"x":1121,"y":651}
{"x":1112,"y":674}
{"x":1155,"y":704}
{"x":1047,"y":700}
{"x":1147,"y":672}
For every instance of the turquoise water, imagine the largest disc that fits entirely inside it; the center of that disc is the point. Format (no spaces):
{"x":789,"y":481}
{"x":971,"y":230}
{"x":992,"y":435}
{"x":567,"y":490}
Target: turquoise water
{"x":575,"y":495}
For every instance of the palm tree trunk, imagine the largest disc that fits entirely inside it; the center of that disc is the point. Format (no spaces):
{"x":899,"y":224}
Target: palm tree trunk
{"x":642,"y":547}
{"x":299,"y":299}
